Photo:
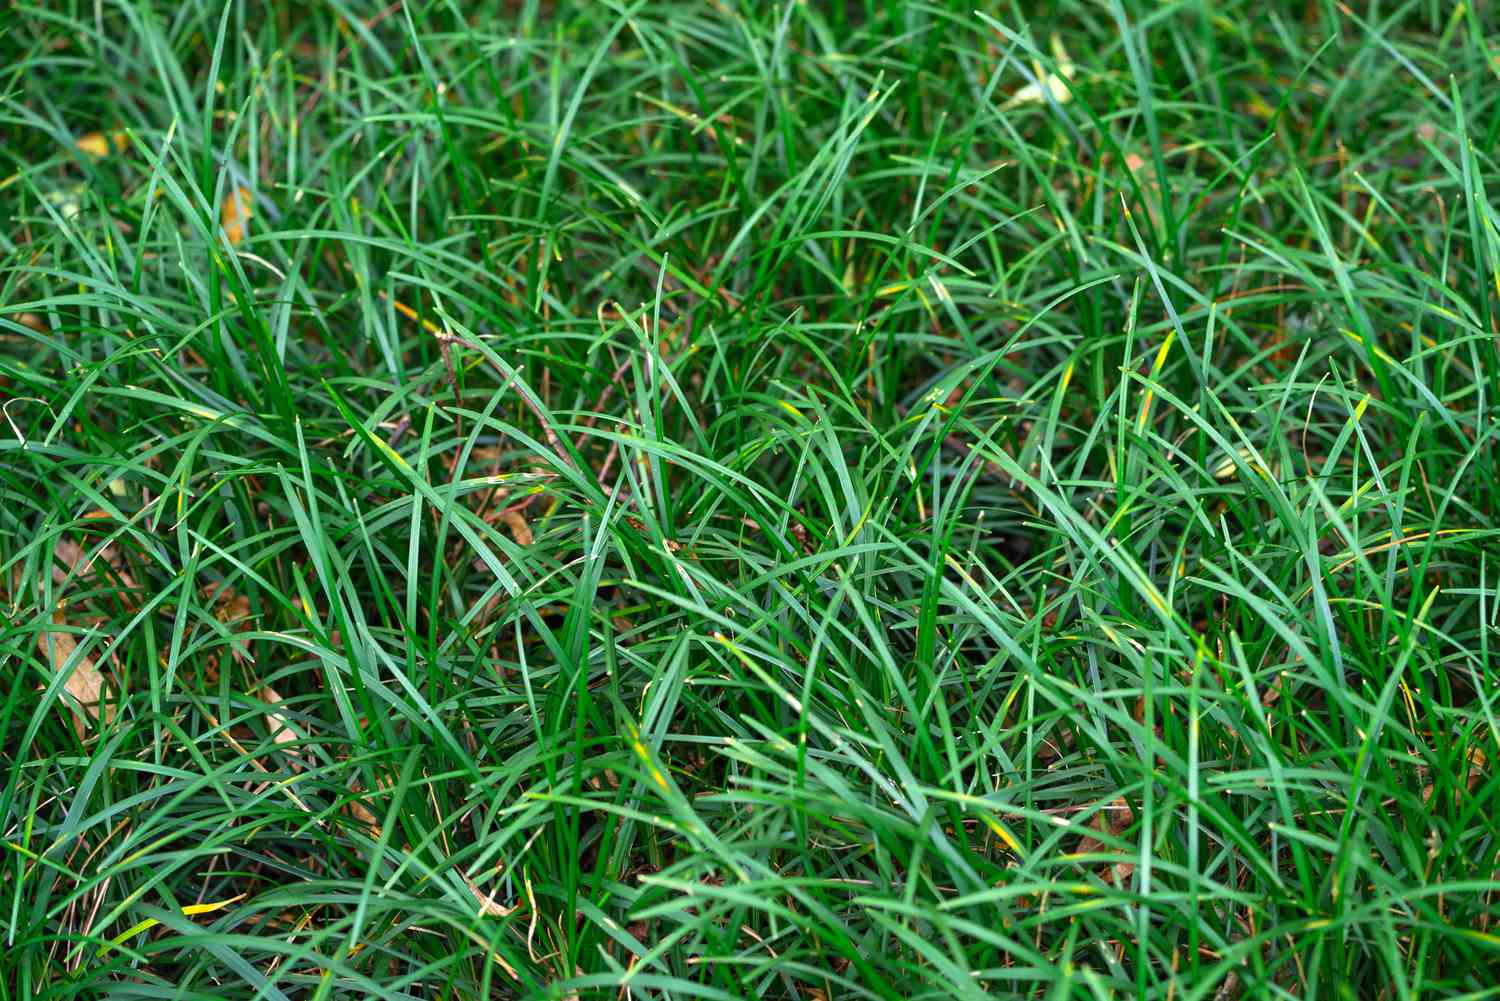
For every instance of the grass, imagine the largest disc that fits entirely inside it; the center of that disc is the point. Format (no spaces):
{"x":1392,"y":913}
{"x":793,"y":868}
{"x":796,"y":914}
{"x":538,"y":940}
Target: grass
{"x":706,"y":500}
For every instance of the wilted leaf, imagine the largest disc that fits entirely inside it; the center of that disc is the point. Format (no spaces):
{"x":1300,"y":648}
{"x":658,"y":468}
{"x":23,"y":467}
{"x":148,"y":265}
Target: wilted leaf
{"x":281,"y":732}
{"x":84,"y":683}
{"x":70,"y":554}
{"x":519,"y":530}
{"x":487,"y":905}
{"x":190,"y":910}
{"x":1054,"y":83}
{"x":357,"y":809}
{"x":1115,"y":819}
{"x":1477,"y":770}
{"x":232,"y":609}
{"x":489,"y":908}
{"x":235,"y":215}
{"x":229,"y":605}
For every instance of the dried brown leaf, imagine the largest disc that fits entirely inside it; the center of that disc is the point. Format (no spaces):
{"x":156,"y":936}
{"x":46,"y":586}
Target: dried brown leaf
{"x":82,"y":562}
{"x":1477,"y":763}
{"x":487,"y":905}
{"x":357,"y":809}
{"x":1115,"y":819}
{"x":281,"y":731}
{"x":232,"y":609}
{"x":519,"y":530}
{"x":70,"y":555}
{"x":85,"y":684}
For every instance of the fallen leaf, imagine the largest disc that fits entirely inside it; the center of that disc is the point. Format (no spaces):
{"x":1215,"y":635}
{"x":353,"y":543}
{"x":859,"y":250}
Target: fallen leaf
{"x":229,"y":605}
{"x":1115,"y":819}
{"x":105,"y":557}
{"x":102,"y":144}
{"x":357,"y":809}
{"x":70,"y":554}
{"x":235,"y":215}
{"x":85,"y":684}
{"x":487,"y":905}
{"x":519,"y":530}
{"x":1144,"y":172}
{"x":489,"y":908}
{"x":1477,"y":763}
{"x":232,"y":609}
{"x":281,"y":731}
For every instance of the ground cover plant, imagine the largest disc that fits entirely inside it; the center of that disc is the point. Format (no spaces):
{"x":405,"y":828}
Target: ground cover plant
{"x":726,"y":499}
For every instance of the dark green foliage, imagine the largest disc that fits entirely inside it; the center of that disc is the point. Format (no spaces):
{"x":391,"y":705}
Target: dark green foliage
{"x":750,"y":500}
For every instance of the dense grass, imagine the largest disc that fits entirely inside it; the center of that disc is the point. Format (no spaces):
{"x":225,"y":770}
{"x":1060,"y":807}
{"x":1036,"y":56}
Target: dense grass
{"x":817,"y":500}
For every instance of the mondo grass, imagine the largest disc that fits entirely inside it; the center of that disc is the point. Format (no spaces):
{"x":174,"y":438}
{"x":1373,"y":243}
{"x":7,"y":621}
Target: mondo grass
{"x":711,"y":500}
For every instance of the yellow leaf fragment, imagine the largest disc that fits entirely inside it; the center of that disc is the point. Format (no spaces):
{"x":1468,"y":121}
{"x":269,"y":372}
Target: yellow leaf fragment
{"x":189,"y":911}
{"x":412,"y":314}
{"x":235,"y":215}
{"x":101,"y":144}
{"x":1053,"y":85}
{"x":192,"y":909}
{"x":1226,"y":469}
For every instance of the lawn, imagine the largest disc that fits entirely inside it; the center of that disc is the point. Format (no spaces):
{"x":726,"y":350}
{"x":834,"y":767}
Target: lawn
{"x":729,"y":499}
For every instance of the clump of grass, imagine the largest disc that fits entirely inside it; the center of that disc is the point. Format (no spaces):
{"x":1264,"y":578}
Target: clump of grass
{"x":814,"y":500}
